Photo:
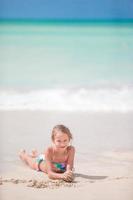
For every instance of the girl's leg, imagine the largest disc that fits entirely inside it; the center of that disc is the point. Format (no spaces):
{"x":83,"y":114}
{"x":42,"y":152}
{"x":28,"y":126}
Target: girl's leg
{"x":30,"y":161}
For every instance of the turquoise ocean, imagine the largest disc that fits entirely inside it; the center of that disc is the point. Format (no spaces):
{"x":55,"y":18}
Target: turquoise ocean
{"x":66,"y":66}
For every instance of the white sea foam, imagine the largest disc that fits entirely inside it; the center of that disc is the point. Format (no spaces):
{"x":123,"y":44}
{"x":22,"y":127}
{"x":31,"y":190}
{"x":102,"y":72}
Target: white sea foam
{"x":82,"y":99}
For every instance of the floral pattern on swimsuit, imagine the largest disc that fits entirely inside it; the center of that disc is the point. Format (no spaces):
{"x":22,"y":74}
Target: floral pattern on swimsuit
{"x":59,"y":166}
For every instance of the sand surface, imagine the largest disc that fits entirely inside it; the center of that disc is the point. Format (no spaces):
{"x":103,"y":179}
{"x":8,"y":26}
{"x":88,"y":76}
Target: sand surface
{"x":103,"y":162}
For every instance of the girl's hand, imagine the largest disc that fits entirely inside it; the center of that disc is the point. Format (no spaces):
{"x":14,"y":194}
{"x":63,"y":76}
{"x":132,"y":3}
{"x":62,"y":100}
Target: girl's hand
{"x":68,"y":176}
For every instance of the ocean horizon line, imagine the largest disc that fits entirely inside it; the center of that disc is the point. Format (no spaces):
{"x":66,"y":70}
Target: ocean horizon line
{"x":65,"y":21}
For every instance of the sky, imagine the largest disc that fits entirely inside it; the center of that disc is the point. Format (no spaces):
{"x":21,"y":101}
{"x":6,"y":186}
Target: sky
{"x":66,"y":9}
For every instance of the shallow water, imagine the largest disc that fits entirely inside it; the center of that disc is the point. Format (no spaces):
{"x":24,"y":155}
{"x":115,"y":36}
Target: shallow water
{"x":66,"y":66}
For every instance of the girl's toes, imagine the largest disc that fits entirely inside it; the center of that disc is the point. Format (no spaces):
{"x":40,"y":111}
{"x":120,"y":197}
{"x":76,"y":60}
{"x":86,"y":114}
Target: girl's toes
{"x":34,"y":153}
{"x":21,"y":153}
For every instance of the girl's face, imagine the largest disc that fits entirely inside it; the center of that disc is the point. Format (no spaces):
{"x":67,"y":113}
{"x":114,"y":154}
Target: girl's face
{"x":61,"y":140}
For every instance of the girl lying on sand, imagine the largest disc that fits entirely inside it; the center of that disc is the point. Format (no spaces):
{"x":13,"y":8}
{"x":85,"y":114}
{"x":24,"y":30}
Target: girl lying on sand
{"x":58,"y":159}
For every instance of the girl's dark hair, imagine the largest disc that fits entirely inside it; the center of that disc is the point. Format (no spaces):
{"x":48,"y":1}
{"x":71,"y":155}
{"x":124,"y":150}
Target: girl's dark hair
{"x":63,"y":129}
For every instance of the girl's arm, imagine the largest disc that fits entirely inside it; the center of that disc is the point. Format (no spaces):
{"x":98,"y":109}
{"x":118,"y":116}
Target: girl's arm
{"x":70,"y":162}
{"x":51,"y":174}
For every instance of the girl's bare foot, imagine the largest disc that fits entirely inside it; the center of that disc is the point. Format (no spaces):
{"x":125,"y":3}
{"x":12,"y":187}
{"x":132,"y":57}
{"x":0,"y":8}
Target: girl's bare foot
{"x":22,"y":154}
{"x":34,"y":153}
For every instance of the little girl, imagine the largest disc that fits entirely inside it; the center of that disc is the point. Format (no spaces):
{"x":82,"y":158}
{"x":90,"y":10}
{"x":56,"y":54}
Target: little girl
{"x":58,"y":159}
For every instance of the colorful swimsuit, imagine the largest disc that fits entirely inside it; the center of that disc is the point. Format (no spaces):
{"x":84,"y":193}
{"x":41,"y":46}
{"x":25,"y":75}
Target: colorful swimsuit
{"x":59,"y":166}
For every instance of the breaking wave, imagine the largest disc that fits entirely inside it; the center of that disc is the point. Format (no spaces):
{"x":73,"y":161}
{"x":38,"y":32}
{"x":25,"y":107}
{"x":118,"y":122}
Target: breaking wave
{"x":81,"y":99}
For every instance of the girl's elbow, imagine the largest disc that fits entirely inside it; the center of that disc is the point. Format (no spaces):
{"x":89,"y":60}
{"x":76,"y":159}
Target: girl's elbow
{"x":50,"y":175}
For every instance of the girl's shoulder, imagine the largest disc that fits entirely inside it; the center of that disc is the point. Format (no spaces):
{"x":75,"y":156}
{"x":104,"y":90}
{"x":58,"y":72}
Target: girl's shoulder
{"x":49,"y":149}
{"x":71,"y":148}
{"x":49,"y":153}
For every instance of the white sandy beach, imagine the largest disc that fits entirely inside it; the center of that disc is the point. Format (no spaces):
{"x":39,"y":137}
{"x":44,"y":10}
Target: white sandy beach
{"x":103,"y":162}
